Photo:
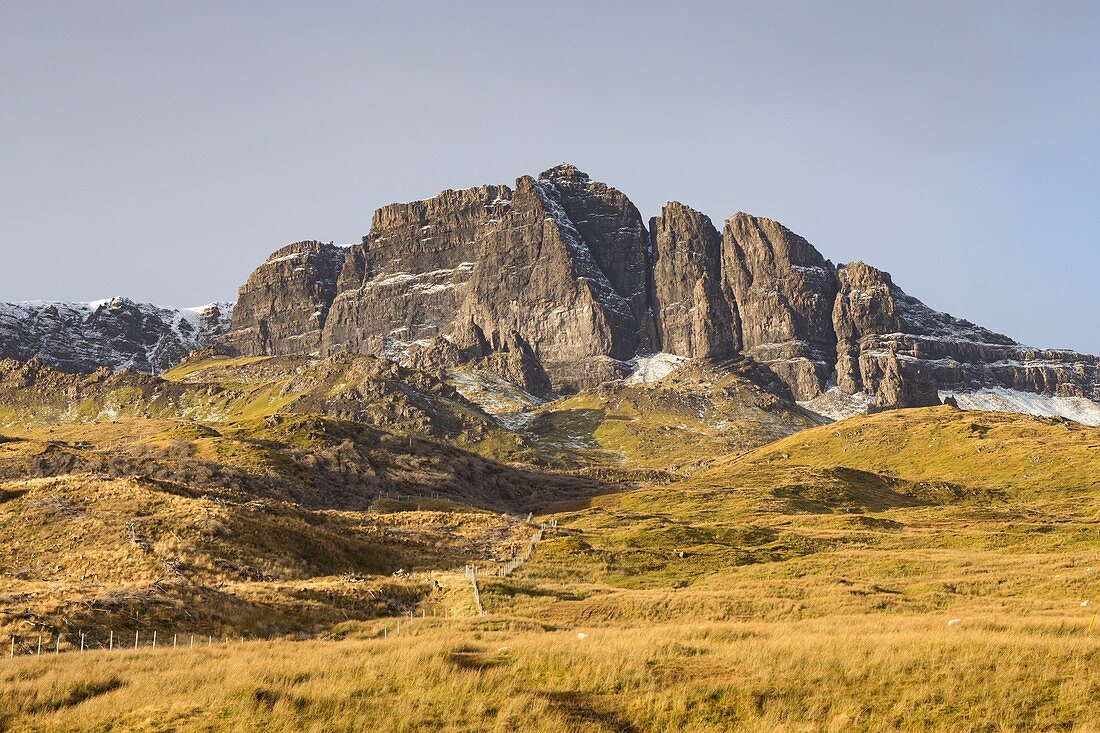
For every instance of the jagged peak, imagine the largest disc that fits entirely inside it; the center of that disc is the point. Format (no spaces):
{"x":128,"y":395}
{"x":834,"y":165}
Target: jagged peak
{"x":861,"y":272}
{"x":677,"y":207}
{"x":565,"y":173}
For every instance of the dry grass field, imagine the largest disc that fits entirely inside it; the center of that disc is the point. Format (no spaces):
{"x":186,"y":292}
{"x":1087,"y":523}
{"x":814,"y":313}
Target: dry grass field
{"x":839,"y":673}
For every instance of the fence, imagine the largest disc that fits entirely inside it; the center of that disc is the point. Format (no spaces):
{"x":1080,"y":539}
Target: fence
{"x":471,"y":575}
{"x":33,"y":646}
{"x":110,"y":641}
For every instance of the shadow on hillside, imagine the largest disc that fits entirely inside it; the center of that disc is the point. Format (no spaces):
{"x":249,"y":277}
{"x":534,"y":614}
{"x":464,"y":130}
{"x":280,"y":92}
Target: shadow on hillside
{"x":315,"y":462}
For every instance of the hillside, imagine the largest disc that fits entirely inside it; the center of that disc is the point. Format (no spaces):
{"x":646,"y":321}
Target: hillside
{"x":914,"y":511}
{"x":687,"y":521}
{"x":925,"y":569}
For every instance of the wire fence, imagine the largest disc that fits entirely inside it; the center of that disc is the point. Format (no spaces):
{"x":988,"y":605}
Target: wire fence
{"x":57,"y":643}
{"x":60,"y":643}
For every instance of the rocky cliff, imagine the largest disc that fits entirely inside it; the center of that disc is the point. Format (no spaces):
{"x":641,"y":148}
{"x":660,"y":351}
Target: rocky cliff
{"x":545,"y":284}
{"x":557,"y":284}
{"x":117,"y":333}
{"x":284,"y":303}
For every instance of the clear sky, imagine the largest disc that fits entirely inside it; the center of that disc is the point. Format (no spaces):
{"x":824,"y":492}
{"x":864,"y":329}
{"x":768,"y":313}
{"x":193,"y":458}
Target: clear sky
{"x":160,"y":150}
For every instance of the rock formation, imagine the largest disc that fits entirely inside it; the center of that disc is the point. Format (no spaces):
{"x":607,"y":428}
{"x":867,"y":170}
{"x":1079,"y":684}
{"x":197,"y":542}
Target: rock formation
{"x":285,"y":301}
{"x":557,"y":284}
{"x":898,"y":350}
{"x":492,"y":275}
{"x":784,"y":290}
{"x":694,"y":310}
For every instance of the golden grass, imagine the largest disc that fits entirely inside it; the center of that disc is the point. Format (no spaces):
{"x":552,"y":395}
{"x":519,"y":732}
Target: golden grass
{"x":806,"y":585}
{"x":911,"y":673}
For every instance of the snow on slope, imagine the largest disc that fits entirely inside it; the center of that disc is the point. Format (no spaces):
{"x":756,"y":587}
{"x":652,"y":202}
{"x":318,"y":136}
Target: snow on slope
{"x":116,"y":333}
{"x":837,"y":405}
{"x":1000,"y":399}
{"x":653,"y":368}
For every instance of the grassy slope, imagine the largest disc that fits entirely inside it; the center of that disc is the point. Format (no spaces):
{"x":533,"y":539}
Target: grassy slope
{"x":670,"y":426}
{"x":886,"y":518}
{"x":209,"y":490}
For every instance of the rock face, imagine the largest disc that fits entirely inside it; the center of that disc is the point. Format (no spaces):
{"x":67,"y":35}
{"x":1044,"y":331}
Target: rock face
{"x":694,"y":309}
{"x":501,"y":277}
{"x":556,"y":284}
{"x":118,"y":333}
{"x":784,"y":290}
{"x":282,"y":307}
{"x":900,"y":351}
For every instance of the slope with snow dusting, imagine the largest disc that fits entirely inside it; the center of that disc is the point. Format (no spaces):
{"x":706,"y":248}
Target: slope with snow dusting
{"x":116,"y":333}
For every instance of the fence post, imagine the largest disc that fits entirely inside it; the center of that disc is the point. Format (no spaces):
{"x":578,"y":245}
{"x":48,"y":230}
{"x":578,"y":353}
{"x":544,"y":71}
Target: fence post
{"x":154,"y":639}
{"x":192,"y":641}
{"x":136,"y":638}
{"x":57,"y":648}
{"x":173,"y":641}
{"x":40,"y":646}
{"x":12,"y":655}
{"x":111,"y":641}
{"x":81,"y":641}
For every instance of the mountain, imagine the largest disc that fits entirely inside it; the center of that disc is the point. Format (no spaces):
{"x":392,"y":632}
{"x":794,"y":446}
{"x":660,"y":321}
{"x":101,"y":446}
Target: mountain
{"x":116,"y":333}
{"x":557,"y":284}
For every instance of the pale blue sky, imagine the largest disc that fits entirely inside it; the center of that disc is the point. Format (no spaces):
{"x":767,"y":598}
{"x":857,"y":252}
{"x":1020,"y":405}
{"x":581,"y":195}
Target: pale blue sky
{"x":161,"y":150}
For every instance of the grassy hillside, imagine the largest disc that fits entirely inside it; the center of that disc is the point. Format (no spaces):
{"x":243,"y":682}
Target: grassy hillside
{"x":217,"y":389}
{"x":730,"y":563}
{"x":671,"y":426}
{"x":885,"y":518}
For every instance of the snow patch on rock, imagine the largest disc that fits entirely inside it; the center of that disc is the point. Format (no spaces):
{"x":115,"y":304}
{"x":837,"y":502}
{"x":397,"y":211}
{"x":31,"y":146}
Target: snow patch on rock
{"x":836,"y":404}
{"x":1001,"y":399}
{"x":653,"y":368}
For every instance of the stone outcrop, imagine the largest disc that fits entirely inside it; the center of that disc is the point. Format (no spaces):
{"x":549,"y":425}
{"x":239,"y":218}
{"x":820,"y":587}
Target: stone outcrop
{"x":694,"y":310}
{"x":501,"y":277}
{"x":118,"y":333}
{"x":784,"y":290}
{"x":903,"y":353}
{"x":610,"y":225}
{"x":557,"y":284}
{"x":283,"y":305}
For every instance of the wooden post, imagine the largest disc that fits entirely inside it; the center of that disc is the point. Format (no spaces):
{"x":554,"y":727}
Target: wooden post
{"x":154,"y":639}
{"x":12,"y":654}
{"x":173,"y":641}
{"x":136,"y":638}
{"x":40,"y":646}
{"x":57,"y":648}
{"x":111,"y":641}
{"x":81,"y":641}
{"x":192,"y":641}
